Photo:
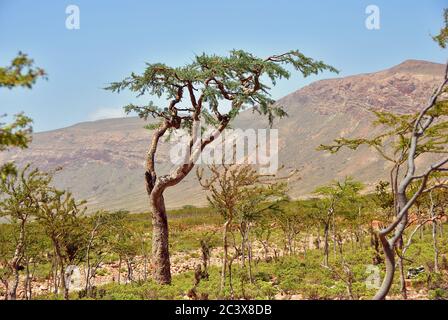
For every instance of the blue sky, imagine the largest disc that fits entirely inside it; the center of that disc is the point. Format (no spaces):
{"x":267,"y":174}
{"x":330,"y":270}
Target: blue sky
{"x":118,"y":37}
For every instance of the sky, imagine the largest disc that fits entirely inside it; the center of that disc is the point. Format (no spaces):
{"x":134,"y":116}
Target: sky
{"x":116,"y":38}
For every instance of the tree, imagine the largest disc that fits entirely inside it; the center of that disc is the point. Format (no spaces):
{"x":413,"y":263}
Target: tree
{"x":442,"y":37}
{"x":59,"y":214}
{"x":263,"y":232}
{"x":264,"y":195}
{"x":204,"y":88}
{"x":125,"y":245}
{"x":404,"y":139}
{"x":36,"y":249}
{"x":225,"y":192}
{"x":239,"y":194}
{"x":333,"y":198}
{"x":291,"y":222}
{"x":19,"y":202}
{"x":430,"y":209}
{"x":7,"y":248}
{"x":21,"y":73}
{"x":102,"y":226}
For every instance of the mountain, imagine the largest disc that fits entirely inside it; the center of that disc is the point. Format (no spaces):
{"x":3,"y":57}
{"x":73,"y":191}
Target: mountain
{"x":103,"y":160}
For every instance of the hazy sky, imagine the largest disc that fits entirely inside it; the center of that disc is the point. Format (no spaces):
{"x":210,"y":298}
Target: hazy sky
{"x":118,"y":37}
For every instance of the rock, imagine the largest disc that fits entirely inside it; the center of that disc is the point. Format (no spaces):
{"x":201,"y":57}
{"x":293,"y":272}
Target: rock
{"x":296,"y":297}
{"x":281,"y":296}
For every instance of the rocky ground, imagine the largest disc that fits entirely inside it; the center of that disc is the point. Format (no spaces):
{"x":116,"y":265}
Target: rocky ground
{"x":111,"y":272}
{"x":181,"y":262}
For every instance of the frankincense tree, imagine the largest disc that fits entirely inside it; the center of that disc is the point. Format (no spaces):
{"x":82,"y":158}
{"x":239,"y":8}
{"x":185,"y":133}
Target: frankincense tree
{"x":213,"y":89}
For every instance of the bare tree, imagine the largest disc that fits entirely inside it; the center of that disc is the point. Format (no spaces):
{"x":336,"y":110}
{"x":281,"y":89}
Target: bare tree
{"x":406,"y":138}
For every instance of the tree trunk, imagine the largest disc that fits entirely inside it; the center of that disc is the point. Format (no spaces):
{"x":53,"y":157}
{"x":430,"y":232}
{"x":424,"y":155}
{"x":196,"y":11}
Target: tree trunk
{"x":88,"y":269}
{"x":61,"y":268}
{"x":249,"y":255}
{"x":119,"y":270}
{"x":160,"y":246}
{"x":403,"y":289}
{"x":334,"y":233}
{"x":389,"y":247}
{"x":243,"y":232}
{"x":54,"y":271}
{"x":64,"y":282}
{"x":12,"y":291}
{"x":225,"y":254}
{"x":26,"y":283}
{"x":18,"y":255}
{"x":434,"y":244}
{"x":145,"y":267}
{"x":130,"y":275}
{"x":6,"y":284}
{"x":389,"y":257}
{"x":375,"y":244}
{"x":326,"y":249}
{"x":30,"y":284}
{"x":289,"y":241}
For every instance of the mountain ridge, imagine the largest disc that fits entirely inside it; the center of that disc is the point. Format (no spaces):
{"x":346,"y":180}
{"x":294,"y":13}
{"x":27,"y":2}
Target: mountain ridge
{"x":103,"y":159}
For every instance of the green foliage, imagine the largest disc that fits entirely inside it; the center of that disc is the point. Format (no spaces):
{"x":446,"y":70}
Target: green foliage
{"x":383,"y":197}
{"x":341,"y":198}
{"x":21,"y":191}
{"x":394,"y":140}
{"x":442,"y":37}
{"x":288,"y":275}
{"x":15,"y":134}
{"x":21,"y":73}
{"x":438,"y":294}
{"x":211,"y":79}
{"x":59,"y":215}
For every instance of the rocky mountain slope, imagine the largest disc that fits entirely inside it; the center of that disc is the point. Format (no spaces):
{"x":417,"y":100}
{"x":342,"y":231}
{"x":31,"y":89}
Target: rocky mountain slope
{"x":103,"y":161}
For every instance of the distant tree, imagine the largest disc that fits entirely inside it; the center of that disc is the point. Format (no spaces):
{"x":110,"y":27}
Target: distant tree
{"x":239,"y":194}
{"x":126,"y":245}
{"x":263,"y":232}
{"x":265,"y":195}
{"x":101,"y":227}
{"x":333,"y":199}
{"x":430,"y":210}
{"x":60,"y":216}
{"x":291,"y":222}
{"x":35,"y":253}
{"x":199,"y":91}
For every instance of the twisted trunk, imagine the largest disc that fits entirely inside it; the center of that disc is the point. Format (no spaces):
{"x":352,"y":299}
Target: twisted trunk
{"x":160,"y":240}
